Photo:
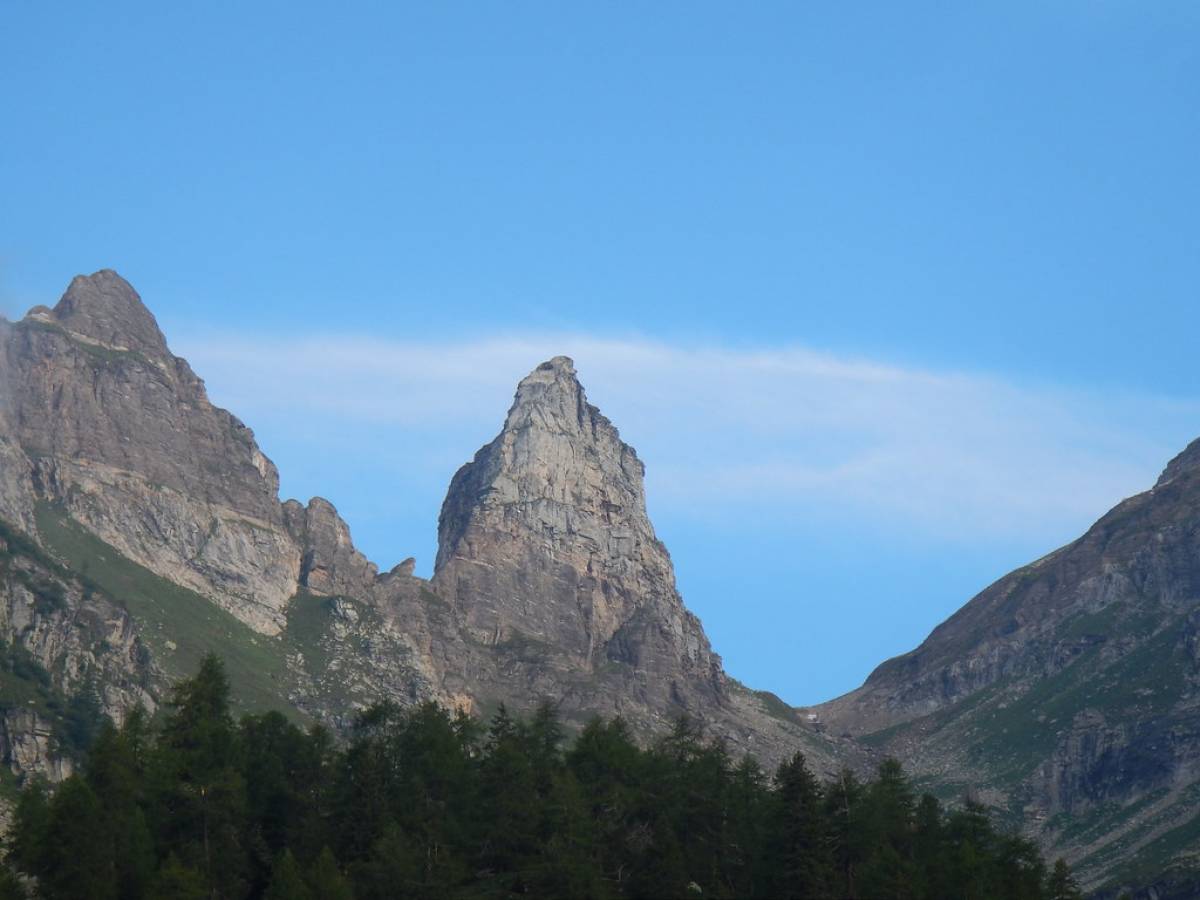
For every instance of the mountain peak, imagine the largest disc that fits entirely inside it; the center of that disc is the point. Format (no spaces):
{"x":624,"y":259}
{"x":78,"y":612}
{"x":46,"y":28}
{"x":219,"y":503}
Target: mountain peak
{"x":554,"y":509}
{"x":558,"y":364}
{"x":554,"y":381}
{"x":105,"y":308}
{"x":551,"y":399}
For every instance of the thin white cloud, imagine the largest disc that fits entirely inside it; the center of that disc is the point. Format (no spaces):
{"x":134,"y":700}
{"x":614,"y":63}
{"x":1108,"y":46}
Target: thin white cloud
{"x":723,"y":431}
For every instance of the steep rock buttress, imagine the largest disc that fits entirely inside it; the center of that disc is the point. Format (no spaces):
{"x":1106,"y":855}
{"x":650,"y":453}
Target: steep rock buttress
{"x":544,"y":535}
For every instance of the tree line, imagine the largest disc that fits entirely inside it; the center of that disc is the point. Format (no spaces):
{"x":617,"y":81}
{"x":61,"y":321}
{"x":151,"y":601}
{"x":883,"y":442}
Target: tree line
{"x":420,"y":803}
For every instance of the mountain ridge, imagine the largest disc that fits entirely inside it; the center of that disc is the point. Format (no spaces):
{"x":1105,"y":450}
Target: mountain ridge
{"x":117,"y":449}
{"x":142,"y":527}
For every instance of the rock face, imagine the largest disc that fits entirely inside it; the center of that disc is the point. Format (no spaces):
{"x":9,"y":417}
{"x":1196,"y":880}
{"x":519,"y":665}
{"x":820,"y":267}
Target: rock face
{"x":121,"y":433}
{"x":545,"y":534}
{"x":1068,"y":691}
{"x":329,"y":563}
{"x":61,"y":640}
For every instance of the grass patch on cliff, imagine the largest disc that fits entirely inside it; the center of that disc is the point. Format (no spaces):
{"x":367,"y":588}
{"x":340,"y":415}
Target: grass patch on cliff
{"x":1091,"y":624}
{"x":884,"y":736}
{"x":25,"y":683}
{"x":178,"y":625}
{"x":308,"y":618}
{"x":1154,"y":859}
{"x":773,"y":705}
{"x":1082,"y":828}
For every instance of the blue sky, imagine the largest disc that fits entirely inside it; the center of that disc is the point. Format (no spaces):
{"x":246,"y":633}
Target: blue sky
{"x":890,"y":297}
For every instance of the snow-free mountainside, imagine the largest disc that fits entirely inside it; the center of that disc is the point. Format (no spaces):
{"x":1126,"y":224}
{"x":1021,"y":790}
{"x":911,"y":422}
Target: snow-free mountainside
{"x":141,"y":528}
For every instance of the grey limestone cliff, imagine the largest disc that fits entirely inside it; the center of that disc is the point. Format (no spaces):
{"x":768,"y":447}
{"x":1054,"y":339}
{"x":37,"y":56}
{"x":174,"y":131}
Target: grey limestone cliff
{"x":120,"y":432}
{"x":545,"y":534}
{"x":329,"y":562}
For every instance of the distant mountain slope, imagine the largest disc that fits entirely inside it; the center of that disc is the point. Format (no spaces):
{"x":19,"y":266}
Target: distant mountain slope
{"x":156,"y":512}
{"x":1067,"y":692}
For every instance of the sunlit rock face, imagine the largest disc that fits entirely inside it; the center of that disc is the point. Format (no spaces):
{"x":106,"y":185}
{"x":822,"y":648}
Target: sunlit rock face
{"x":121,"y":433}
{"x":545,"y":535}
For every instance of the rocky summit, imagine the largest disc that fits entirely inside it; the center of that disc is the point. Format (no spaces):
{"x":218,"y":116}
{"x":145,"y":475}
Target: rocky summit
{"x":545,"y":535}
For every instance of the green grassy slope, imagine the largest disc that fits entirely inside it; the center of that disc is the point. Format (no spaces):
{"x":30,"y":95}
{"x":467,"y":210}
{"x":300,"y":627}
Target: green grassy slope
{"x":179,"y":625}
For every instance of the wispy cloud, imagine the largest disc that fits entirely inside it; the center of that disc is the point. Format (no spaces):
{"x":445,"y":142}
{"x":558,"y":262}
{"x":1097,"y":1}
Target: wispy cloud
{"x":725,"y":431}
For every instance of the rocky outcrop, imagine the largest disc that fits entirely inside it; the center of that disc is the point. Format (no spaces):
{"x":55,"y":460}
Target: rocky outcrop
{"x":329,"y":562}
{"x":28,"y":746}
{"x":1186,"y":461}
{"x":59,"y":639}
{"x":16,"y":472}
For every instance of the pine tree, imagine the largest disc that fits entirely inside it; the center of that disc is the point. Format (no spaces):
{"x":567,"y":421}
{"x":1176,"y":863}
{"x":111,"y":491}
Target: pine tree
{"x":326,"y":881}
{"x":1062,"y":884}
{"x":608,"y":769}
{"x":928,"y":849}
{"x":115,"y":773}
{"x":283,"y":769}
{"x":418,"y":806}
{"x":686,"y":791}
{"x":850,"y":843}
{"x":803,"y":866}
{"x":29,"y":839}
{"x":76,"y":861}
{"x":747,"y":830}
{"x":199,"y":796}
{"x":175,"y":881}
{"x":199,"y":728}
{"x":436,"y":789}
{"x":364,"y":796}
{"x":971,"y":850}
{"x":286,"y":881}
{"x":888,"y":808}
{"x":82,"y":720}
{"x":11,"y":887}
{"x":508,"y":839}
{"x":1021,"y":873}
{"x":392,"y":868}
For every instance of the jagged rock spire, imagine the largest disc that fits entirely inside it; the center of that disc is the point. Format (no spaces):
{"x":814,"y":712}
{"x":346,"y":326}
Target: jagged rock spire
{"x":555,"y":451}
{"x":544,"y":535}
{"x":330,"y":563}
